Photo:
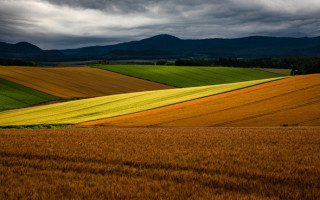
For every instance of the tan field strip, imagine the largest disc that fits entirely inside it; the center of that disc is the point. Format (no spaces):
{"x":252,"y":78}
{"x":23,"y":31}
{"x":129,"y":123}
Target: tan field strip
{"x":291,"y":101}
{"x":71,"y":82}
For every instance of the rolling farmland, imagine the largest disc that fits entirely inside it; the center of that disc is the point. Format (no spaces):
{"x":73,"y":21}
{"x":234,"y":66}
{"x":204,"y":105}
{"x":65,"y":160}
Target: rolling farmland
{"x":71,"y":82}
{"x":13,"y":95}
{"x":288,"y":102}
{"x":115,"y":105}
{"x":157,"y":162}
{"x":189,"y":76}
{"x":160,"y":163}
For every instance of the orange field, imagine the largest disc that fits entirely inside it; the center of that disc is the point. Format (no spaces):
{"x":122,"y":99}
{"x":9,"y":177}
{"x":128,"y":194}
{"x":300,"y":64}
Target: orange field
{"x":293,"y":101}
{"x":71,"y":82}
{"x":160,"y":163}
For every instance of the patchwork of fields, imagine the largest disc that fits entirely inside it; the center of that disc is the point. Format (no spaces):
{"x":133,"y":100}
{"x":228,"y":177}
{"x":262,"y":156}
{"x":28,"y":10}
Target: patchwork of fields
{"x":289,"y":102}
{"x":115,"y":105}
{"x":71,"y":82}
{"x":179,"y":76}
{"x":160,"y":163}
{"x":161,"y":159}
{"x":13,"y":95}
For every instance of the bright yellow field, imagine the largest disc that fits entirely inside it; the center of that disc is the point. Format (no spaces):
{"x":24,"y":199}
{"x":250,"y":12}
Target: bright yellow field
{"x":292,"y":101}
{"x":74,"y":112}
{"x":160,"y":163}
{"x":71,"y":82}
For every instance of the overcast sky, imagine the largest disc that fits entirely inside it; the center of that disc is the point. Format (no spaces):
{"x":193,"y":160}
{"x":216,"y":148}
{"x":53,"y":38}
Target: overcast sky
{"x":58,"y":24}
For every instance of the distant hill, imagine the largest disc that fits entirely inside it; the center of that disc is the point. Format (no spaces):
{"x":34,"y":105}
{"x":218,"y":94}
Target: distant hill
{"x":248,"y":47}
{"x":170,"y":47}
{"x":25,"y":50}
{"x":19,"y":50}
{"x":314,"y":51}
{"x":145,"y":54}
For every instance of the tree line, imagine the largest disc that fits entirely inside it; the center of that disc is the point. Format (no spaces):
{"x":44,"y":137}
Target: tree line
{"x":16,"y":62}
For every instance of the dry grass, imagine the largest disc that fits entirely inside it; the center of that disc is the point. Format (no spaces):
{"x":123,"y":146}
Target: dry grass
{"x":160,"y":163}
{"x":71,"y":82}
{"x":292,"y":101}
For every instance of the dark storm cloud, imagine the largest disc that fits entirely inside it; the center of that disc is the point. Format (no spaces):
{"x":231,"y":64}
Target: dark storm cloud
{"x":74,"y":23}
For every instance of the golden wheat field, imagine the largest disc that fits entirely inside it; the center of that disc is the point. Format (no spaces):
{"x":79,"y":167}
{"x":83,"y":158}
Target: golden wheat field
{"x":293,"y":101}
{"x":160,"y":163}
{"x":71,"y":82}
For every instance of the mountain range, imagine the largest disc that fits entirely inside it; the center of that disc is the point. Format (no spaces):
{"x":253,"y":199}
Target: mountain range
{"x":170,"y":47}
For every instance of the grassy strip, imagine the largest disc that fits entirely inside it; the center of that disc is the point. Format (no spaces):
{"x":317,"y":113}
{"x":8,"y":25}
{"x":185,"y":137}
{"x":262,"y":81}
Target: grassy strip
{"x":115,"y":105}
{"x":179,"y":76}
{"x":13,"y":95}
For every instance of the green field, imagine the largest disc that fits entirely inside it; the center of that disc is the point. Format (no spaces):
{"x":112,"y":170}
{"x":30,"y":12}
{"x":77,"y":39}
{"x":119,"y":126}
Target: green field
{"x":13,"y":95}
{"x":115,"y":105}
{"x":178,"y":76}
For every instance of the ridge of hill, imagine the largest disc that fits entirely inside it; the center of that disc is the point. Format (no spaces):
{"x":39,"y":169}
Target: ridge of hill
{"x":173,"y":48}
{"x":25,"y":50}
{"x":18,"y":50}
{"x":254,"y":46}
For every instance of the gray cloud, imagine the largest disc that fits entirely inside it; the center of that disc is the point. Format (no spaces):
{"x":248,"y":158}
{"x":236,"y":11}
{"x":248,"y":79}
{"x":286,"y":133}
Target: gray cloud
{"x":76,"y":23}
{"x":106,"y":5}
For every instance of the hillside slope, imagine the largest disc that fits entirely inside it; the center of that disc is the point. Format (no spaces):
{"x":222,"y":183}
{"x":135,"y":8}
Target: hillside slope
{"x":170,"y":47}
{"x":247,"y":47}
{"x":71,"y":82}
{"x":19,"y":50}
{"x":115,"y":105}
{"x":13,"y":95}
{"x":179,"y":76}
{"x":291,"y":101}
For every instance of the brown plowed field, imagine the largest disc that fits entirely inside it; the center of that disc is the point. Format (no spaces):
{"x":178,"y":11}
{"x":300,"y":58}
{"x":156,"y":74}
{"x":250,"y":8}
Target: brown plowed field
{"x":292,"y":101}
{"x":71,"y":82}
{"x":160,"y":163}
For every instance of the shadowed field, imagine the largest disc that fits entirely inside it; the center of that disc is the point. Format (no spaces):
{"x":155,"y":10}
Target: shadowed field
{"x":287,"y":102}
{"x":284,"y":72}
{"x":160,"y":163}
{"x":13,"y":95}
{"x":71,"y":82}
{"x":180,"y":76}
{"x":114,"y":105}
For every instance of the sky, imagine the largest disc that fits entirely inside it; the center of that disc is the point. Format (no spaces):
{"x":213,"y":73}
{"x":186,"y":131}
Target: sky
{"x":62,"y":24}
